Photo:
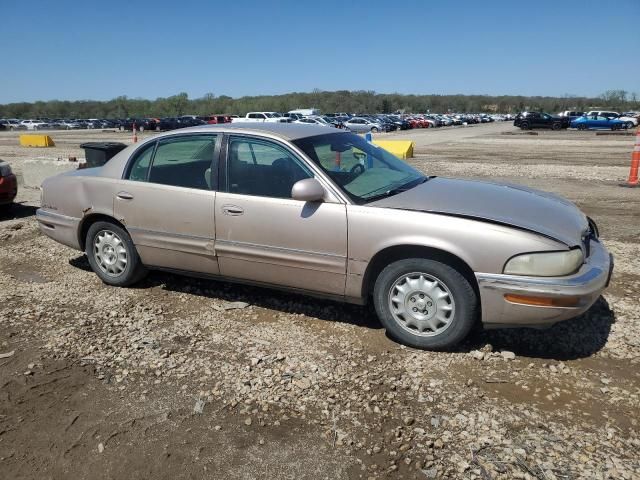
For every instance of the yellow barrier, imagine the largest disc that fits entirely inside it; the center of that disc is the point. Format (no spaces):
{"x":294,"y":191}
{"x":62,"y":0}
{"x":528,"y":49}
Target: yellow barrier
{"x":402,"y":149}
{"x":36,"y":141}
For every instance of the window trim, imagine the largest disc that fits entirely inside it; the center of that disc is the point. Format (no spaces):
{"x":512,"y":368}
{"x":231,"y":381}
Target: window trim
{"x":215,"y":182}
{"x":134,"y":156}
{"x":298,"y":154}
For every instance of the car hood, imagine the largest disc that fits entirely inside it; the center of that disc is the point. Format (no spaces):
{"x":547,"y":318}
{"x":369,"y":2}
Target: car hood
{"x":513,"y":205}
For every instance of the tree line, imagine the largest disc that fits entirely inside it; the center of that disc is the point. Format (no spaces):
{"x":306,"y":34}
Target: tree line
{"x":339,"y":101}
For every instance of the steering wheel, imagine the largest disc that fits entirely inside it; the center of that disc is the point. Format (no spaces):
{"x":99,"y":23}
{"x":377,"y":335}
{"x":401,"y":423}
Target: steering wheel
{"x":357,"y":168}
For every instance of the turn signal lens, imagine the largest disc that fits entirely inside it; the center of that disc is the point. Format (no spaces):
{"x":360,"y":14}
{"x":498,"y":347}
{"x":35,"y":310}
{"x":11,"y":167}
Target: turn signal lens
{"x":542,"y":301}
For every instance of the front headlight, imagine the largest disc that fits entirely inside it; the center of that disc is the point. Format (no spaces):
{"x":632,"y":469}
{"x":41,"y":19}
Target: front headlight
{"x":546,"y":264}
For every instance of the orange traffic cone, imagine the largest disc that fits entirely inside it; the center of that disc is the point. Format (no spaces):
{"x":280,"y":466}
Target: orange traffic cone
{"x":635,"y":164}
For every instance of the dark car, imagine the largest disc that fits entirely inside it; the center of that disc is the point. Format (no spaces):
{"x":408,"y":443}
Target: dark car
{"x":140,"y":123}
{"x":401,"y":123}
{"x":187,"y":121}
{"x":529,"y":120}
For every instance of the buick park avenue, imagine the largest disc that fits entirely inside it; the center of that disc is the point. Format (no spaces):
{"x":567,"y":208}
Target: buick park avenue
{"x":323,"y":212}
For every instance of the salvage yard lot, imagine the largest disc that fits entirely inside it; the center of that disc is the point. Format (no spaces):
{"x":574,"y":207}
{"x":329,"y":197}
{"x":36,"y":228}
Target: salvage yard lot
{"x":188,"y":378}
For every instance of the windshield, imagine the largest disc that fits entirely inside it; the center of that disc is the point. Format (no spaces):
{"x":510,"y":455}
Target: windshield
{"x":362,"y":170}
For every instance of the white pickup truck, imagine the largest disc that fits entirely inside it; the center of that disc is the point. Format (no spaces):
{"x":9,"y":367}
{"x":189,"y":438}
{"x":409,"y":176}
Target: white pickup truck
{"x":272,"y":117}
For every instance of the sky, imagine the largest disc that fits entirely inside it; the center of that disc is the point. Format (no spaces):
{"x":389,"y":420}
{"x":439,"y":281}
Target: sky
{"x":72,"y":50}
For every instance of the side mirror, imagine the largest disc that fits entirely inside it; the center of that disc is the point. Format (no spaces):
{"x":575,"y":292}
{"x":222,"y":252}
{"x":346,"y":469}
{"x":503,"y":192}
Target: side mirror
{"x":308,"y":190}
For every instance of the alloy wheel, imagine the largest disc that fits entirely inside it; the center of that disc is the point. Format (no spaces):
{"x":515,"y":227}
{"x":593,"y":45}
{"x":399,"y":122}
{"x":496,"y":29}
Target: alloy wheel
{"x":421,"y":304}
{"x":110,"y":253}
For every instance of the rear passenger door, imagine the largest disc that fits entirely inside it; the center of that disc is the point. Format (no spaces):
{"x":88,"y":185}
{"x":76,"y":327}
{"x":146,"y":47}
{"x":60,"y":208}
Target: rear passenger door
{"x":166,"y":201}
{"x":263,"y":235}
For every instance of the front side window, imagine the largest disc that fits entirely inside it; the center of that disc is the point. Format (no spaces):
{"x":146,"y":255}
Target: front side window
{"x":362,"y":170}
{"x":262,"y":168}
{"x":184,"y":162}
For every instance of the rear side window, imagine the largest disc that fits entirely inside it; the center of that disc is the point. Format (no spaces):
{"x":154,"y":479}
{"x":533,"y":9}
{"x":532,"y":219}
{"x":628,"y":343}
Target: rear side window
{"x":140,"y":167}
{"x":184,"y":162}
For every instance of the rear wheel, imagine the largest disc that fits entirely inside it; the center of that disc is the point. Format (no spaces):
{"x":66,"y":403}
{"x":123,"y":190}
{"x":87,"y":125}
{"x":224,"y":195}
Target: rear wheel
{"x":424,"y":303}
{"x":112,"y":255}
{"x":582,"y":126}
{"x":556,"y":126}
{"x":630,"y":125}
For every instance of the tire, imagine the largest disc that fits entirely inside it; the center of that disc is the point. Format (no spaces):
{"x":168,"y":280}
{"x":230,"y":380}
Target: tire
{"x":556,"y":126}
{"x":108,"y":238}
{"x":582,"y":127}
{"x":5,"y":209}
{"x":524,"y":126}
{"x":436,"y":324}
{"x":614,"y":128}
{"x":374,"y":130}
{"x":630,"y":125}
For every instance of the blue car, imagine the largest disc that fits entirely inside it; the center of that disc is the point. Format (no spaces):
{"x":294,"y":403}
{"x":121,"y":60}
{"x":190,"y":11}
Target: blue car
{"x":598,"y":122}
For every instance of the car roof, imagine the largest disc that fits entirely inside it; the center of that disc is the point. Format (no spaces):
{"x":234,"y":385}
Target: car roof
{"x":286,"y":131}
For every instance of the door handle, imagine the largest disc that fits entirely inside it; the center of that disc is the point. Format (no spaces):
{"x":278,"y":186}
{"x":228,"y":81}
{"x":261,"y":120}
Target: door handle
{"x":124,"y":195}
{"x":232,"y":210}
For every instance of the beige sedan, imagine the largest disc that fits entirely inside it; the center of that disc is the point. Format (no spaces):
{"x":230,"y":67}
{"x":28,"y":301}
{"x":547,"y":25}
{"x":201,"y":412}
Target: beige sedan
{"x":321,"y":211}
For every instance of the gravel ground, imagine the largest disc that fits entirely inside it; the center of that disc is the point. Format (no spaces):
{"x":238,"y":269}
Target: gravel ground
{"x":186,"y":378}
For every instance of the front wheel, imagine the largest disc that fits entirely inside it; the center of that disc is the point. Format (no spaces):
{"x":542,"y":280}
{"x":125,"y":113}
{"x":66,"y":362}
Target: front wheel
{"x":630,"y":125}
{"x":524,"y":126}
{"x":112,"y":255}
{"x":374,"y":130}
{"x":582,"y":127}
{"x":556,"y":126}
{"x":425,"y":303}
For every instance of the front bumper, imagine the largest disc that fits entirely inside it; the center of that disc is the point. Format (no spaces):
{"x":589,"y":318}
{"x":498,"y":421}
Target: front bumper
{"x":61,"y":228}
{"x":586,"y":285}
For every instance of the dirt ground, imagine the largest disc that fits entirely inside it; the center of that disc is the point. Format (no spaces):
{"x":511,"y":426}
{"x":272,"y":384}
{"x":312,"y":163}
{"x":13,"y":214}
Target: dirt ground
{"x":186,"y":378}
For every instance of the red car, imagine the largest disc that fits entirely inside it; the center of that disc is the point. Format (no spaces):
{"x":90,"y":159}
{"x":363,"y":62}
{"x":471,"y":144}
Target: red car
{"x":216,"y":119}
{"x":8,"y":185}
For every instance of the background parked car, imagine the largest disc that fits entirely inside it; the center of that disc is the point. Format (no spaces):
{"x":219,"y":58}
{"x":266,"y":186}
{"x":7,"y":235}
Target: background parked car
{"x":632,"y":117}
{"x":362,"y":125}
{"x":216,"y":119}
{"x":629,"y":120}
{"x":529,"y":120}
{"x":13,"y":124}
{"x":314,"y":120}
{"x":8,"y":186}
{"x":598,"y":122}
{"x":570,"y":114}
{"x":34,"y":124}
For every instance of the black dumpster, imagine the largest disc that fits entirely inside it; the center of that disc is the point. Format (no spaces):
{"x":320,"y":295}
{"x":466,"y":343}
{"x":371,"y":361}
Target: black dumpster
{"x":99,"y":153}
